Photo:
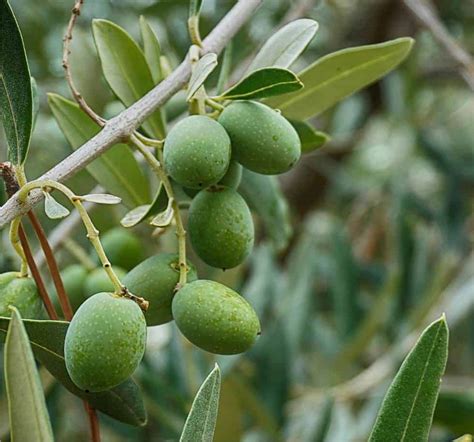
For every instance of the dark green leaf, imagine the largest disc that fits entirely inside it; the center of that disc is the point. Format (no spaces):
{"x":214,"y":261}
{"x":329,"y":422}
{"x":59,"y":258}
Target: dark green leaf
{"x":340,"y":74}
{"x":407,"y":410}
{"x":263,"y":194}
{"x":263,"y":83}
{"x":152,"y":50}
{"x":201,"y":421}
{"x":123,"y":403}
{"x":53,"y":209}
{"x":125,"y":69}
{"x":140,"y":213}
{"x":311,"y":139}
{"x":201,"y":71}
{"x":284,"y":47}
{"x":455,"y":410}
{"x":29,"y":418}
{"x":117,"y":169}
{"x":16,"y":100}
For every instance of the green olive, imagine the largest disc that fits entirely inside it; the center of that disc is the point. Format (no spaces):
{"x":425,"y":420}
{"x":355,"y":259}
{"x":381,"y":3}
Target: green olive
{"x":22,"y":293}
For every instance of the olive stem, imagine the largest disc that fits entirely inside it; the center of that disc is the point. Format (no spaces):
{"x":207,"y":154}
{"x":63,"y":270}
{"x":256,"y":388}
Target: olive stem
{"x":193,"y":29}
{"x":214,"y":105}
{"x":15,"y":225}
{"x":92,"y":232}
{"x":180,"y":231}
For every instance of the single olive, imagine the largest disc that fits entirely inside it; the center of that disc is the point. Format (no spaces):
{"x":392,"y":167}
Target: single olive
{"x":74,"y":278}
{"x":215,"y":317}
{"x":155,"y":280}
{"x":262,"y":139}
{"x":22,"y":293}
{"x":105,"y":342}
{"x":197,"y":152}
{"x":220,"y":227}
{"x":122,"y":247}
{"x":98,"y":281}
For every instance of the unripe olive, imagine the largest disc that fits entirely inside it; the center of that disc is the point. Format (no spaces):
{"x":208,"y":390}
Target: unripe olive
{"x":105,"y":342}
{"x":262,"y":139}
{"x":22,"y":293}
{"x":233,"y":175}
{"x":215,"y":318}
{"x":197,"y":152}
{"x":220,"y":227}
{"x":122,"y":247}
{"x":98,"y":281}
{"x":155,"y":280}
{"x":74,"y":278}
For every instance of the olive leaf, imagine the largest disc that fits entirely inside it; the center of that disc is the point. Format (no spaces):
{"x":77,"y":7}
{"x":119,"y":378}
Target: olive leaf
{"x":262,"y":83}
{"x":16,"y":99}
{"x":123,"y":402}
{"x":36,"y":104}
{"x":201,"y":421}
{"x":101,"y":198}
{"x":139,"y":214}
{"x":407,"y":409}
{"x":151,"y":49}
{"x":226,"y":66}
{"x":29,"y":419}
{"x":284,"y":47}
{"x":311,"y":139}
{"x":195,"y":8}
{"x":117,"y":169}
{"x":53,"y":209}
{"x":340,"y":74}
{"x":164,"y":218}
{"x":263,"y":194}
{"x":126,"y":70}
{"x":201,"y":71}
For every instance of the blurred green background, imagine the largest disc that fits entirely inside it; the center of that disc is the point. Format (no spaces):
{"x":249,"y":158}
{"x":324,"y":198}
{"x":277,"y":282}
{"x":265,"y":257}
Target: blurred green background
{"x":382,"y":221}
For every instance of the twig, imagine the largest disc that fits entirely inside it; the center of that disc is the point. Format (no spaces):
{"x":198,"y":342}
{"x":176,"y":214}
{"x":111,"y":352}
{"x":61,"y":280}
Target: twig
{"x":424,"y":12}
{"x":123,"y":125}
{"x":52,"y":265}
{"x":76,"y":12}
{"x":93,"y":421}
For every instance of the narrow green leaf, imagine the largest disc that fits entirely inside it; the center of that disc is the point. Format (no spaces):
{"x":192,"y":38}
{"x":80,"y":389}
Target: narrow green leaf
{"x":125,"y":69}
{"x":263,"y":83}
{"x":123,"y":403}
{"x":16,"y":100}
{"x":311,"y":139}
{"x":226,"y":66}
{"x":407,"y":410}
{"x":195,"y":7}
{"x":141,"y":213}
{"x":117,"y":169}
{"x":29,"y":419}
{"x":263,"y":194}
{"x":201,"y":421}
{"x":284,"y":47}
{"x":151,"y":49}
{"x":340,"y":74}
{"x":53,"y":209}
{"x":201,"y":71}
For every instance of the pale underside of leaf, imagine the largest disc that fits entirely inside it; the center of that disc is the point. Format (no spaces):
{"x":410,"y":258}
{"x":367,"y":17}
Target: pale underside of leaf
{"x":140,"y":213}
{"x":201,"y":421}
{"x":53,"y":209}
{"x":101,"y":198}
{"x":284,"y":47}
{"x":201,"y":71}
{"x":164,"y":218}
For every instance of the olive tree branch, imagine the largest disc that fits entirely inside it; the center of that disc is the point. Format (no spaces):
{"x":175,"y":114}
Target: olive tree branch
{"x":119,"y":128}
{"x":75,"y":13}
{"x":424,"y":12}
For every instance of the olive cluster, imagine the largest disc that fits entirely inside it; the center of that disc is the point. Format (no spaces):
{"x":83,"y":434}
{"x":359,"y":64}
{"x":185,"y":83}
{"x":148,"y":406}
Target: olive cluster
{"x":106,"y":338}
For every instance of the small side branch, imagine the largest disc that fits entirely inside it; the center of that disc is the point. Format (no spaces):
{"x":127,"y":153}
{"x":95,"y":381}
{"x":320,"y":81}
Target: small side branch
{"x":425,"y":14}
{"x":76,"y":12}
